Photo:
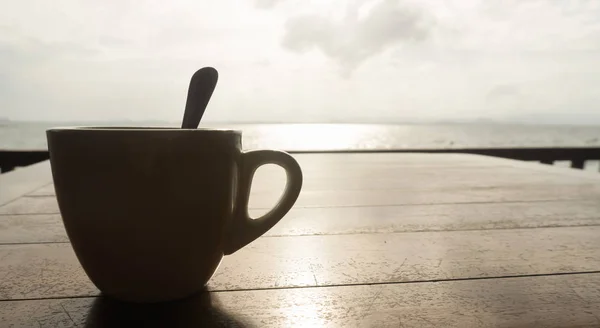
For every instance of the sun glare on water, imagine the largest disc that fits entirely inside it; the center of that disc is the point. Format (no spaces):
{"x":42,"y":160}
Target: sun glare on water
{"x":311,"y":136}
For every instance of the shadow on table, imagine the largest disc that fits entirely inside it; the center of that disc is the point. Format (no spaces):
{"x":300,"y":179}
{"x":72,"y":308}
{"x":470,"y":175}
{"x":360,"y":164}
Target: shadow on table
{"x":196,"y":311}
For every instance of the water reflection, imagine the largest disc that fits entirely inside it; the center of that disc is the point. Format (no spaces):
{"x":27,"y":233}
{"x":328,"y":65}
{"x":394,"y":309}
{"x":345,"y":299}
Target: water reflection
{"x":200,"y":310}
{"x":310,"y":136}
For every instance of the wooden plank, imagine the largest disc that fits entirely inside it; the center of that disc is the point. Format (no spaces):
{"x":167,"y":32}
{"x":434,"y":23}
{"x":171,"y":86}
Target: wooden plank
{"x":417,"y":218}
{"x":16,"y":229}
{"x":353,"y":198}
{"x":31,"y":205}
{"x":391,"y":171}
{"x":37,"y":228}
{"x":28,"y":179}
{"x":23,"y":180}
{"x":396,"y":159}
{"x":402,"y":166}
{"x":52,"y":270}
{"x":272,"y":179}
{"x":550,"y":301}
{"x":47,"y":190}
{"x":328,"y":185}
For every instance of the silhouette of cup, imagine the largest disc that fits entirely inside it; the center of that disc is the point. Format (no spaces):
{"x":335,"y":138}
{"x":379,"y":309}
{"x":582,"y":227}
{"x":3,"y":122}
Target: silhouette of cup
{"x":150,"y":212}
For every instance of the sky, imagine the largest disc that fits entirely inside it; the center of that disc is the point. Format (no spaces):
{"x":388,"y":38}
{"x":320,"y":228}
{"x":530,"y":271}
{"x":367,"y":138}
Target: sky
{"x":303,"y":60}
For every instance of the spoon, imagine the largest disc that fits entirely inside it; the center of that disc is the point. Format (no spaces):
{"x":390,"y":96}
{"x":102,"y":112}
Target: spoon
{"x":201,"y":88}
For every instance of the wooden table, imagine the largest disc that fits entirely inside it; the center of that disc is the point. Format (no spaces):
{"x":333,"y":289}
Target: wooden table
{"x":375,"y":240}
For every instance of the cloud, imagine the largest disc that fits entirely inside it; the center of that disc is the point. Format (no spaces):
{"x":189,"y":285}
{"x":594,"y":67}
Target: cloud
{"x":355,"y":39}
{"x":417,"y":59}
{"x":266,"y":4}
{"x":504,"y":91}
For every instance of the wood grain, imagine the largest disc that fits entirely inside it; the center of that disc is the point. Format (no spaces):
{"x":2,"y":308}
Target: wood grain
{"x":23,"y":180}
{"x":51,"y":270}
{"x":47,"y":190}
{"x":395,"y":179}
{"x":403,"y":166}
{"x":388,"y":176}
{"x":42,"y":228}
{"x":31,"y":205}
{"x":393,"y":171}
{"x":552,"y":301}
{"x":15,"y":229}
{"x":399,"y":221}
{"x":444,"y":217}
{"x":354,"y":198}
{"x":272,"y":179}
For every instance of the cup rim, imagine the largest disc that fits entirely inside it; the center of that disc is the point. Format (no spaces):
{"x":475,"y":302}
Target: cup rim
{"x":102,"y":128}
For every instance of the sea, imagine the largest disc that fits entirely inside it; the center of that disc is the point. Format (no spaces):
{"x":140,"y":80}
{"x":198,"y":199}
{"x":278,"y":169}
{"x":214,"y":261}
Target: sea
{"x":321,"y":137}
{"x":336,"y":137}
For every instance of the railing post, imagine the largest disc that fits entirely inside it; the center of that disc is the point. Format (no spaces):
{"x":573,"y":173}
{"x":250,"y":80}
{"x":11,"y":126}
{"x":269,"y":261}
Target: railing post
{"x":578,"y":163}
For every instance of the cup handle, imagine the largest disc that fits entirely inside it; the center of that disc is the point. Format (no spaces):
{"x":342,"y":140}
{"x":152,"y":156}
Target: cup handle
{"x":243,"y":229}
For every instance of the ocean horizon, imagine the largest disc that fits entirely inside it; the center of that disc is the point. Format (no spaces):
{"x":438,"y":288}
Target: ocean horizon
{"x":22,"y":135}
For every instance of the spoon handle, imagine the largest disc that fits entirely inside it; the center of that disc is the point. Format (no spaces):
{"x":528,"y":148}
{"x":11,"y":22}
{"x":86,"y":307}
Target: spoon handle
{"x":201,"y":88}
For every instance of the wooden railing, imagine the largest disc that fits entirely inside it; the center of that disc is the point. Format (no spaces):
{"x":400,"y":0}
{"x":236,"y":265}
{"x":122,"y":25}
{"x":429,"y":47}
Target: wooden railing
{"x":9,"y":159}
{"x":577,"y":156}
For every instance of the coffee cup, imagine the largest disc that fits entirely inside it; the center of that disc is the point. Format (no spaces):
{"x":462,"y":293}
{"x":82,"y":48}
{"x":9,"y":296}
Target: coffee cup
{"x":151,"y":212}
